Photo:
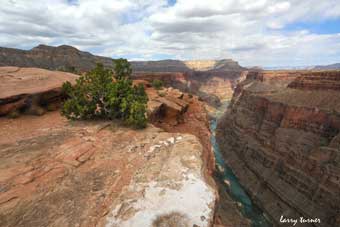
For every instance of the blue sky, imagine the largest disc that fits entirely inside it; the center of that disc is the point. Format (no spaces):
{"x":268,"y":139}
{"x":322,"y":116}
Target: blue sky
{"x":328,"y":26}
{"x":171,"y":2}
{"x":253,"y":32}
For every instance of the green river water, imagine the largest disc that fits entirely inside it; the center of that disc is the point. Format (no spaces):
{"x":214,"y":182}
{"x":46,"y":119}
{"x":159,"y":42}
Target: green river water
{"x":235,"y":190}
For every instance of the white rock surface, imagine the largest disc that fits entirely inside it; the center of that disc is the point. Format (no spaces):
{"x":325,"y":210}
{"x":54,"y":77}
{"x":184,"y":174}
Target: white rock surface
{"x":172,"y":182}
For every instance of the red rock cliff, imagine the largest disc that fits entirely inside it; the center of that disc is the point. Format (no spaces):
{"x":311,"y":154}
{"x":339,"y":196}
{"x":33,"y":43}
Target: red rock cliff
{"x":281,"y":137}
{"x":213,"y":87}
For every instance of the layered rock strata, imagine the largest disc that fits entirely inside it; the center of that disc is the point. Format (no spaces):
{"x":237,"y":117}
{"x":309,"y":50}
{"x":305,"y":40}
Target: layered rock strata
{"x":280,"y":135}
{"x":213,"y":87}
{"x":317,"y":81}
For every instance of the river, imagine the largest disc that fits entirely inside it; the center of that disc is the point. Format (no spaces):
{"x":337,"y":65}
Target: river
{"x":248,"y":209}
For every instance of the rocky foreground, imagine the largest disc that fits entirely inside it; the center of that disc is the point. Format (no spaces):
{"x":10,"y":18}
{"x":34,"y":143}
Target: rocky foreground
{"x":55,"y":172}
{"x":280,"y":136}
{"x":58,"y":173}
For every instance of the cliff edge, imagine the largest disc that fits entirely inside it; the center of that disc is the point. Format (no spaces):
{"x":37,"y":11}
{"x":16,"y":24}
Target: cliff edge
{"x":280,"y":135}
{"x":55,"y":172}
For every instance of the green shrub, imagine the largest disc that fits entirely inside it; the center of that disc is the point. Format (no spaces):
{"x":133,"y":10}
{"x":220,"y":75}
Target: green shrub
{"x":96,"y":96}
{"x":157,"y":84}
{"x":122,"y":69}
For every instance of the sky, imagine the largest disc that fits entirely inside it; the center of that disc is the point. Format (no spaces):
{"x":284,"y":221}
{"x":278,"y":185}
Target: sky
{"x":252,"y":32}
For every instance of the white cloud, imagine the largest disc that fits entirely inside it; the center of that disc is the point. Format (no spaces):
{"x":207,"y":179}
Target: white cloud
{"x":250,"y":31}
{"x":281,"y":7}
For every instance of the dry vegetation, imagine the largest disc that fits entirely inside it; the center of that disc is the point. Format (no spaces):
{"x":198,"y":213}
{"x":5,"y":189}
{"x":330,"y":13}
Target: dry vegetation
{"x":173,"y":219}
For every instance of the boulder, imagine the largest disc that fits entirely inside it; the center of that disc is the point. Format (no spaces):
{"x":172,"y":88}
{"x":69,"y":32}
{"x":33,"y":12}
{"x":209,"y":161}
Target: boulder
{"x":166,"y":105}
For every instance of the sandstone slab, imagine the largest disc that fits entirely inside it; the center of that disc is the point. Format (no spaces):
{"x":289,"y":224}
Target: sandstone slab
{"x":23,"y":87}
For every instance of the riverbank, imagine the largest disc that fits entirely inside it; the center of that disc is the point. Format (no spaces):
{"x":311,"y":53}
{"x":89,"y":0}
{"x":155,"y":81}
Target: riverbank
{"x":232,"y":193}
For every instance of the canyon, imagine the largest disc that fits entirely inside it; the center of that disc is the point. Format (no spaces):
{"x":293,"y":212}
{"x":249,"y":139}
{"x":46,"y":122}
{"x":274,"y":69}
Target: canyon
{"x":275,"y":153}
{"x":280,"y":135}
{"x":214,"y":88}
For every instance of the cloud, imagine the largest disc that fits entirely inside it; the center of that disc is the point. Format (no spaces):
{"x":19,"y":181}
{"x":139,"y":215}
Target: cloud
{"x":250,"y":31}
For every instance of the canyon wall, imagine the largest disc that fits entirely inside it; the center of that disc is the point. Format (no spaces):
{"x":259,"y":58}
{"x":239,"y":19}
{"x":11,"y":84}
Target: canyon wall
{"x":213,"y":87}
{"x":186,"y":66}
{"x":212,"y":80}
{"x":280,"y":135}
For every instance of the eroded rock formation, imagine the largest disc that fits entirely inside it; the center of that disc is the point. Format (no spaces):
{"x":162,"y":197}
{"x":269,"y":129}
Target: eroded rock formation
{"x":27,"y":88}
{"x":280,"y":135}
{"x":213,"y":87}
{"x":167,"y":105}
